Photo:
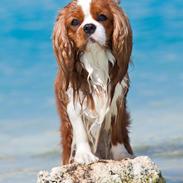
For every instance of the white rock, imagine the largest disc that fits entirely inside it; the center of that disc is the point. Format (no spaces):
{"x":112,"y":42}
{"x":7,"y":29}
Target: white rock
{"x":138,"y":170}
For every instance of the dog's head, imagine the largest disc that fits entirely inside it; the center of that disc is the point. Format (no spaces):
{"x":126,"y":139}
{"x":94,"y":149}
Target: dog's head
{"x":95,"y":21}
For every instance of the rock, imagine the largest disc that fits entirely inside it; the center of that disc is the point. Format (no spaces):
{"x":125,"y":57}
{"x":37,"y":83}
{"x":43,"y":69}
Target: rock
{"x":137,"y":170}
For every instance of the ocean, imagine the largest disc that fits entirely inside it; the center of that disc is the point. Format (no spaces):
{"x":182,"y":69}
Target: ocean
{"x":29,"y":124}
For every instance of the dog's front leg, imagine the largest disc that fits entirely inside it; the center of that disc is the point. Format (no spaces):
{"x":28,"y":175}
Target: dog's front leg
{"x":83,"y":151}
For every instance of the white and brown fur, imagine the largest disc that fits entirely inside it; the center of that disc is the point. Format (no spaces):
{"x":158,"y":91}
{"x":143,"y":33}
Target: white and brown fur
{"x":92,"y":81}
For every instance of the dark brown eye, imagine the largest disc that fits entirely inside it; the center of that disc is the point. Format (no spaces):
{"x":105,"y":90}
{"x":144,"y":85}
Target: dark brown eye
{"x":75,"y":22}
{"x":101,"y":18}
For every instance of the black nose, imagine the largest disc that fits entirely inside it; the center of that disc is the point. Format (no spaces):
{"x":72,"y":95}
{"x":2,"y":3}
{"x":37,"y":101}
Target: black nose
{"x":89,"y":28}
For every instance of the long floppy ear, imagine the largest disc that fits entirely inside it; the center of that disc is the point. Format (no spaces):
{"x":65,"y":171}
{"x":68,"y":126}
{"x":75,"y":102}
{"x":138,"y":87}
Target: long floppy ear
{"x":121,"y":42}
{"x":63,"y":48}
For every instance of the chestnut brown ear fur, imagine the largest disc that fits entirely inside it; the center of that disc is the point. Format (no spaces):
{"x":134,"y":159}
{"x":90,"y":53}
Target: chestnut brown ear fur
{"x":121,"y":42}
{"x":64,"y":48}
{"x":64,"y":51}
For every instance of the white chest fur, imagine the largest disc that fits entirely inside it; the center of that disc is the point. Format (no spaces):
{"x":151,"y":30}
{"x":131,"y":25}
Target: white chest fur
{"x":86,"y":122}
{"x":96,"y":61}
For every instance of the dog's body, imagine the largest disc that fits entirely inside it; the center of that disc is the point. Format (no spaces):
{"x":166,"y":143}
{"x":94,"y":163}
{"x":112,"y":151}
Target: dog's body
{"x":93,"y":41}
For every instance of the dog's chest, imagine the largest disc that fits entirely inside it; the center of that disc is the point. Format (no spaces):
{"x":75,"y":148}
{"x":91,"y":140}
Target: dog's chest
{"x":100,"y":108}
{"x":95,"y":61}
{"x":94,"y":118}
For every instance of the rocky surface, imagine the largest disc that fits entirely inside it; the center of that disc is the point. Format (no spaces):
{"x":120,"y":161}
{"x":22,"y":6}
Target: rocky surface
{"x":138,"y":170}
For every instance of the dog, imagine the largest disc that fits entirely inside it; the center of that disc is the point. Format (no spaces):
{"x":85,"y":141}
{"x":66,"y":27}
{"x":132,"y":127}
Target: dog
{"x":92,"y":41}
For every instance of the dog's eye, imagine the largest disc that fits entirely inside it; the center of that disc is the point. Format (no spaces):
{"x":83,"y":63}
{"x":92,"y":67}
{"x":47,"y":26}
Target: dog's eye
{"x":101,"y":18}
{"x":75,"y":22}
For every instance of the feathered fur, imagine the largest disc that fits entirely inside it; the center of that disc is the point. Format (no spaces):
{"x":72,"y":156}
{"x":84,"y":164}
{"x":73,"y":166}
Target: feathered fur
{"x":70,"y":48}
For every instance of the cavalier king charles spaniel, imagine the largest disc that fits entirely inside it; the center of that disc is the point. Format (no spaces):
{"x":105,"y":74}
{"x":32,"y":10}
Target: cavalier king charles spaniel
{"x":92,"y":40}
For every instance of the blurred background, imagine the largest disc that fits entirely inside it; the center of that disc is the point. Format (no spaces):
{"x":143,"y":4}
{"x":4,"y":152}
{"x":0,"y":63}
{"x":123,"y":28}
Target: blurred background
{"x":29,"y":138}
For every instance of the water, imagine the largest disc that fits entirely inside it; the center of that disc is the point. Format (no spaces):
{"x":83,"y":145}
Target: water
{"x":29,"y":138}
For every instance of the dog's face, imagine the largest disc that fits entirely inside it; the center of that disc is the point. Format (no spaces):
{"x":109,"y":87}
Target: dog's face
{"x":89,"y":20}
{"x":95,"y":21}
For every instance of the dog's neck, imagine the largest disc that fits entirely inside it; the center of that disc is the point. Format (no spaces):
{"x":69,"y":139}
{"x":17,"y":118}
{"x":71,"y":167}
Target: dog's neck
{"x":95,"y":61}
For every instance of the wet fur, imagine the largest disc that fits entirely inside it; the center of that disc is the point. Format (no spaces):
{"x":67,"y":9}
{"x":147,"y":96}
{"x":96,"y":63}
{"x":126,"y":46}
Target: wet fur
{"x":68,"y":49}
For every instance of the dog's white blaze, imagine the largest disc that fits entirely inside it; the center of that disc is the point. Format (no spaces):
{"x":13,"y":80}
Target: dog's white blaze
{"x":85,"y":5}
{"x":99,"y":35}
{"x":119,"y":152}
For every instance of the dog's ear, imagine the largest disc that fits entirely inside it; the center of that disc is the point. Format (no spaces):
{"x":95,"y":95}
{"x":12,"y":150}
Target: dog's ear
{"x":121,"y":41}
{"x":63,"y":47}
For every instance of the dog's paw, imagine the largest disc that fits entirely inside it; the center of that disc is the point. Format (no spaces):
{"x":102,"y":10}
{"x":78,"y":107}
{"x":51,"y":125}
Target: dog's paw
{"x":83,"y":156}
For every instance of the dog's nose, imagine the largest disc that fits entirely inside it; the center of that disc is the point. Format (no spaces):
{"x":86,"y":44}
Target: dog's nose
{"x":89,"y":28}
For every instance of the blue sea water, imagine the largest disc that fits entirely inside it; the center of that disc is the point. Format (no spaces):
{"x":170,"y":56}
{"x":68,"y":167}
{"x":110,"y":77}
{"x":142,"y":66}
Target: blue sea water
{"x":29,"y":138}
